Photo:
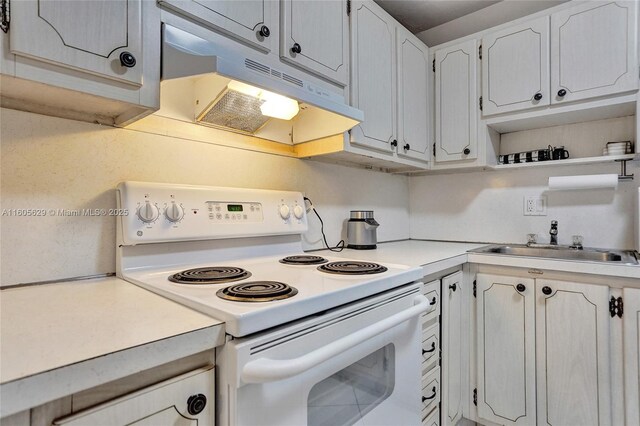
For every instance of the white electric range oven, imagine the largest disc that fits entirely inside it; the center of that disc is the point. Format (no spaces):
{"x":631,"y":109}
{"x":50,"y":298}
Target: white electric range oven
{"x":310,"y":340}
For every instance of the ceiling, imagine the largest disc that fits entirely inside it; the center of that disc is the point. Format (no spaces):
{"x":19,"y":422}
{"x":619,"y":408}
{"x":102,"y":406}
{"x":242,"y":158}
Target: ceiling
{"x":421,"y":15}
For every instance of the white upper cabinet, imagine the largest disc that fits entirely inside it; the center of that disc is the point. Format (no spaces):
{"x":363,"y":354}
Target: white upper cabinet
{"x":456,"y":102}
{"x":373,"y":82}
{"x":102,"y":37}
{"x":515,"y":68}
{"x":315,"y":36}
{"x":594,"y":50}
{"x":413,"y":105}
{"x":573,"y":362}
{"x":252,"y":21}
{"x":506,"y":348}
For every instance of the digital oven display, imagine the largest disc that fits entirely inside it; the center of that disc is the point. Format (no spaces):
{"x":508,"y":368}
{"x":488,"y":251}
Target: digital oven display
{"x":234,"y":207}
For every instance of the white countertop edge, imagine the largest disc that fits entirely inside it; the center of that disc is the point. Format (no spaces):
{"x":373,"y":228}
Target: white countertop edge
{"x":621,"y":271}
{"x":441,"y":265}
{"x":31,"y":391}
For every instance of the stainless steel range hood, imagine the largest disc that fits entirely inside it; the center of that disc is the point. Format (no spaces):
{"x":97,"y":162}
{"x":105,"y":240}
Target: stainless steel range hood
{"x":248,"y":95}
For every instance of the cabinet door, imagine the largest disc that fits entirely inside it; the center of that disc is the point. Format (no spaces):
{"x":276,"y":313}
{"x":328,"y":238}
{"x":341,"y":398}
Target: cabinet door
{"x":373,"y":75}
{"x":456,"y":102}
{"x":572,"y":343}
{"x":505,"y":320}
{"x":243,"y":20}
{"x":88,"y":36}
{"x":452,"y":348}
{"x":594,"y":50}
{"x":320,"y":29}
{"x":168,"y":403}
{"x":631,"y":320}
{"x":413,"y":105}
{"x":515,"y":68}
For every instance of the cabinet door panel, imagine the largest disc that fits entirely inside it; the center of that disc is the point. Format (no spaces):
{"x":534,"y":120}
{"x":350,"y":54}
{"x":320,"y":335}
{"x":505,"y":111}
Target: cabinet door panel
{"x":85,"y":35}
{"x":506,"y":349}
{"x":631,"y":320}
{"x":572,"y":341}
{"x":374,"y":75}
{"x":594,"y":50}
{"x":240,"y":19}
{"x":413,"y":106}
{"x":452,"y":348}
{"x":515,"y":67}
{"x":456,"y":102}
{"x":321,"y":29}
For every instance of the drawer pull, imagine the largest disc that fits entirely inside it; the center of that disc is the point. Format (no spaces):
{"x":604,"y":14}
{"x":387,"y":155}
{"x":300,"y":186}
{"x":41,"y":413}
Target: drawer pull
{"x":427,"y":398}
{"x":433,"y":301}
{"x":427,"y":351}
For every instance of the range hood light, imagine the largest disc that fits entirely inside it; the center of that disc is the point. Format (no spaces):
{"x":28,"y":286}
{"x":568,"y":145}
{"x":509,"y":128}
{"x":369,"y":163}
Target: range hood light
{"x":278,"y":106}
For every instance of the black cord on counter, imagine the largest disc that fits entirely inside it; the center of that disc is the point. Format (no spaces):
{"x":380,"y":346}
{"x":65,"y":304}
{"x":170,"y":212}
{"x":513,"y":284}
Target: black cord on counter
{"x":338,"y":247}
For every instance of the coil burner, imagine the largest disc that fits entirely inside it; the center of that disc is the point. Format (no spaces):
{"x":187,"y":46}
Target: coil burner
{"x":257,"y":291}
{"x":349,"y":267}
{"x":303,"y":260}
{"x":210,"y":275}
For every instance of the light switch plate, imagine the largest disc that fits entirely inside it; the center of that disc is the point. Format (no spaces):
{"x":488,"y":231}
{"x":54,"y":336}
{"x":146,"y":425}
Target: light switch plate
{"x":535,"y":205}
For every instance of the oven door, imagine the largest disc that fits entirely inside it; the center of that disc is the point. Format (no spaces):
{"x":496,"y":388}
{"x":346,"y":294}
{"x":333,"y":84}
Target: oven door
{"x":354,"y":365}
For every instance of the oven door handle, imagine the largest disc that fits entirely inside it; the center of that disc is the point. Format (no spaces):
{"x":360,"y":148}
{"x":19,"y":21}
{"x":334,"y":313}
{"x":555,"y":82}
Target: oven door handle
{"x":264,"y":370}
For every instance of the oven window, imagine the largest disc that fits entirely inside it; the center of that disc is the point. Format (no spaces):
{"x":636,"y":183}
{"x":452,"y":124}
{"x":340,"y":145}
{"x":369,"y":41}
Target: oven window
{"x":347,"y":396}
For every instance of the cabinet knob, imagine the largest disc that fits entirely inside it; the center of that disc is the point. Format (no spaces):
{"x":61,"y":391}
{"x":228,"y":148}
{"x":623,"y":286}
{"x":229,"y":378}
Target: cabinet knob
{"x":561,"y":93}
{"x":453,"y":286}
{"x":196,"y":403}
{"x":547,"y":290}
{"x":406,"y":147}
{"x":537,"y":96}
{"x":466,"y":151}
{"x":521,"y":287}
{"x":264,"y":31}
{"x":127,"y":60}
{"x":394,"y":143}
{"x":296,"y":48}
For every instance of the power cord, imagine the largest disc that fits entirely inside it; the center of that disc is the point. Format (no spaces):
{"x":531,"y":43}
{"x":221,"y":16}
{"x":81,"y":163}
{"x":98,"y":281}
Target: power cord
{"x":338,"y":247}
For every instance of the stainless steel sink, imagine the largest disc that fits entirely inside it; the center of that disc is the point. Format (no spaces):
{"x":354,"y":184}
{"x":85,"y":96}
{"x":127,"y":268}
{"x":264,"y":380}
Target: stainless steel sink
{"x":618,"y":257}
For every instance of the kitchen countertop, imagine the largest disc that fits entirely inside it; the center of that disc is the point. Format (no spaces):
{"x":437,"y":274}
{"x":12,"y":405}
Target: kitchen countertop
{"x":64,"y":337}
{"x":435,"y":256}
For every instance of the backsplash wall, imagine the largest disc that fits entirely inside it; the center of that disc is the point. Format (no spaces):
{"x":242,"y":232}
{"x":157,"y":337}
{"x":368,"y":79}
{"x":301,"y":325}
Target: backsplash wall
{"x":52,"y":163}
{"x":488,"y":207}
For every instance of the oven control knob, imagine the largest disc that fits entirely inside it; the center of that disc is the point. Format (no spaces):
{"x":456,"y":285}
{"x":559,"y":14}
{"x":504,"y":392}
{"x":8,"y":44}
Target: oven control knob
{"x":148,"y":212}
{"x":298,"y":211}
{"x":174,"y":212}
{"x":284,"y":211}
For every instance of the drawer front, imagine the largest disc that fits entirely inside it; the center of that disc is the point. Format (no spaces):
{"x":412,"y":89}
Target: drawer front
{"x":430,"y":391}
{"x":431,"y":291}
{"x":432,"y":419}
{"x":430,"y":348}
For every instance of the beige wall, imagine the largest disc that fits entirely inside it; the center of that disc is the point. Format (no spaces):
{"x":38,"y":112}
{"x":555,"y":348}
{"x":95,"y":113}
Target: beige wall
{"x":51,"y":163}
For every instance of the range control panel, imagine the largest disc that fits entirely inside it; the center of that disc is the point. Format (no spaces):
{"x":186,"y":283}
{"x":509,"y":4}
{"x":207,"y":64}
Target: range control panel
{"x":166,"y":212}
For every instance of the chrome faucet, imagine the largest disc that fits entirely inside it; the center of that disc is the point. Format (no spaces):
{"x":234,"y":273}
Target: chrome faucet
{"x":554,"y":233}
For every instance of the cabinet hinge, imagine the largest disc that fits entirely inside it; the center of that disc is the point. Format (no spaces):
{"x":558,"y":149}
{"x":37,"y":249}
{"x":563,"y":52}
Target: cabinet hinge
{"x":433,"y":65}
{"x":475,"y":397}
{"x":5,"y":15}
{"x":348,"y":7}
{"x":434,"y":150}
{"x":480,"y":51}
{"x":480,"y":102}
{"x":475,"y":285}
{"x":616,"y":307}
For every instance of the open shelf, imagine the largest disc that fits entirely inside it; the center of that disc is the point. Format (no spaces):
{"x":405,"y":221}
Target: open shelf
{"x":570,"y":161}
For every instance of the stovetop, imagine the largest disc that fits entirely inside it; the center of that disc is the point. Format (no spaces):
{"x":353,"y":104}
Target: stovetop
{"x":316,"y":291}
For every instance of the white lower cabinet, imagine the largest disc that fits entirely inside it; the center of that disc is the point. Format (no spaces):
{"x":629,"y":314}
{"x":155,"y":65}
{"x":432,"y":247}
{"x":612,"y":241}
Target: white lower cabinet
{"x":543,"y":351}
{"x":631,"y":323}
{"x":452,"y":348}
{"x":187,"y":400}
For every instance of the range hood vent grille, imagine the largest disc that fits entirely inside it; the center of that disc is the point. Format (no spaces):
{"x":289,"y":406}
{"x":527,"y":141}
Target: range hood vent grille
{"x":264,"y":69}
{"x":235,"y":110}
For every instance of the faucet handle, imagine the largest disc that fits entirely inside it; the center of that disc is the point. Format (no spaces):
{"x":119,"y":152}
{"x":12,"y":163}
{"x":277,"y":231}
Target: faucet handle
{"x":554,"y":223}
{"x":577,"y":241}
{"x":532,"y":238}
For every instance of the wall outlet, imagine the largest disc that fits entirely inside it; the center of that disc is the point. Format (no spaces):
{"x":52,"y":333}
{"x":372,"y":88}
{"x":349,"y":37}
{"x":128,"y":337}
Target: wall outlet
{"x":535,"y":205}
